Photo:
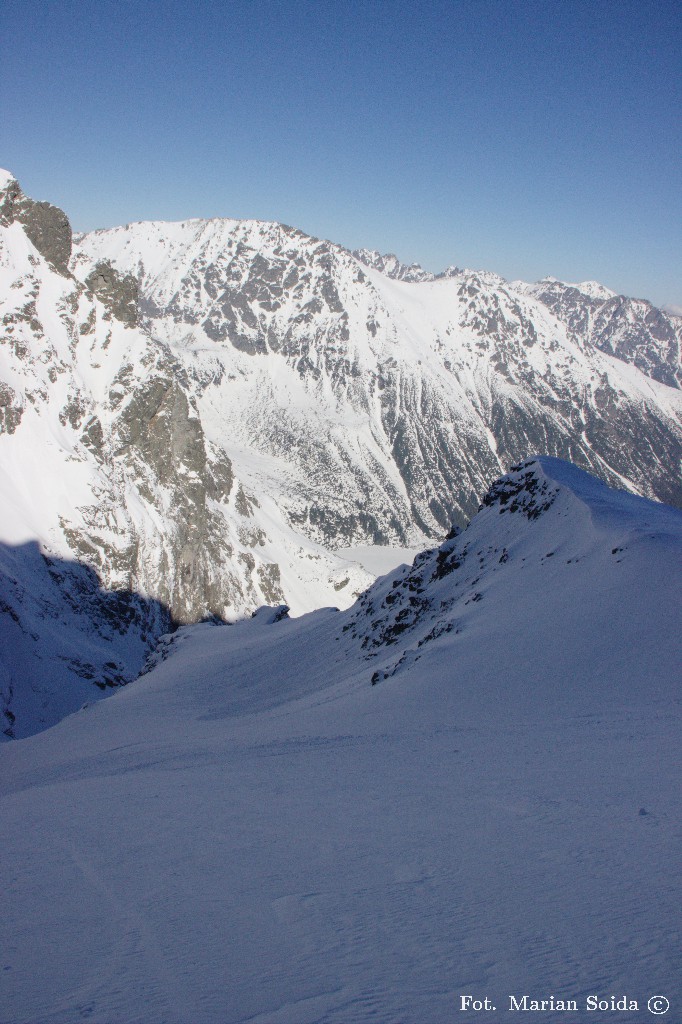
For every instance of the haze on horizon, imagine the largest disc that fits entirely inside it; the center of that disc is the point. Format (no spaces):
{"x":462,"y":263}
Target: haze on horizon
{"x":531,"y":139}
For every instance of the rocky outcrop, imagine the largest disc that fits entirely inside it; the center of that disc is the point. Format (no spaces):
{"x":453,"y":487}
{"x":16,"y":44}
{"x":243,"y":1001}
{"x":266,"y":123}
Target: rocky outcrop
{"x":119,"y":292}
{"x":46,"y":226}
{"x":630,"y":329}
{"x":11,"y":410}
{"x":158,"y":434}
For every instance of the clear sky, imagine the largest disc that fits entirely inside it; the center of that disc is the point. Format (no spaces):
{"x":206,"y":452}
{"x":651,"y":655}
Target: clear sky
{"x":530,"y":138}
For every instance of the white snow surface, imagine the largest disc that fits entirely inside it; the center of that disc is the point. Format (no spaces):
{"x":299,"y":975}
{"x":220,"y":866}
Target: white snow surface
{"x":253,"y":832}
{"x":377,"y":561}
{"x":594,"y":289}
{"x":6,"y":177}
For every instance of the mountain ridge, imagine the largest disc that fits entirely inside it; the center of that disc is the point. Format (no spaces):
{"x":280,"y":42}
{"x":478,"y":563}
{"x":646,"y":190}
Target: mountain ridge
{"x":205,"y":413}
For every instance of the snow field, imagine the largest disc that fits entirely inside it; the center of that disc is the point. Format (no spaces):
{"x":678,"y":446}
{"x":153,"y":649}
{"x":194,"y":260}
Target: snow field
{"x":253,"y":832}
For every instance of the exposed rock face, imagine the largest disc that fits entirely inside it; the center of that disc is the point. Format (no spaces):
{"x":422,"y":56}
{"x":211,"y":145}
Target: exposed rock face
{"x":46,"y":226}
{"x":119,"y":293}
{"x":630,"y":329}
{"x":10,"y":411}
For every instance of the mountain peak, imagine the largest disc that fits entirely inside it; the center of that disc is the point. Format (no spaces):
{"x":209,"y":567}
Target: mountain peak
{"x":545,"y":528}
{"x":594,"y":290}
{"x":526,"y":489}
{"x":46,"y":226}
{"x":6,"y":179}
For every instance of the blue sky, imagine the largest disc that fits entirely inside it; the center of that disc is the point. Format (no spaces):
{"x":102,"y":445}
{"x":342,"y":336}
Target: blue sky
{"x":523,"y":137}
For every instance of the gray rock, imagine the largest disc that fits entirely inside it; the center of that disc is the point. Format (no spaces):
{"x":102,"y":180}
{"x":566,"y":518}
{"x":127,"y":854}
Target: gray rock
{"x":46,"y":226}
{"x":120,"y":292}
{"x":11,"y":410}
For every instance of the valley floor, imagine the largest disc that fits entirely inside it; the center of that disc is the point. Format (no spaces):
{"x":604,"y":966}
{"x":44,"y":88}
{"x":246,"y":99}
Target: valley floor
{"x":302,"y":847}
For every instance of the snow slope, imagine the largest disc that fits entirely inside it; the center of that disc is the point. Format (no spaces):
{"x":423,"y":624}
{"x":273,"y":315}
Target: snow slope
{"x":253,"y":831}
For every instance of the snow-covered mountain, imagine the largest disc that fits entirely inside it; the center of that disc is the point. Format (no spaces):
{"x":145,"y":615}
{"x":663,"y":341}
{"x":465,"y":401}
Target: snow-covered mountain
{"x":631,"y":329}
{"x":415,"y":392}
{"x":213,"y":415}
{"x":634,"y":330}
{"x":104,"y":462}
{"x":466,"y":784}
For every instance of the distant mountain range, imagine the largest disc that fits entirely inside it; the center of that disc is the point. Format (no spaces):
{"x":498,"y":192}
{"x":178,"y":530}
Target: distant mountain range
{"x":205,"y":413}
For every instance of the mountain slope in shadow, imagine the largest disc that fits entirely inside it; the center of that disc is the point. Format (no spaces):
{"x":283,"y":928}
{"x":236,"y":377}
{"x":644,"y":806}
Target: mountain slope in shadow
{"x":64,"y":640}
